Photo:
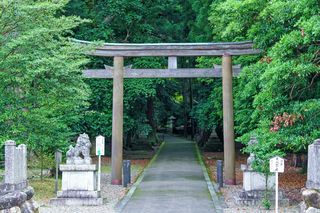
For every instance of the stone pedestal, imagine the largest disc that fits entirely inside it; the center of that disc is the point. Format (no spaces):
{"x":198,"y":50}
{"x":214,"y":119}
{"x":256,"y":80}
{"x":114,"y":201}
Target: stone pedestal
{"x":255,"y":197}
{"x":15,"y":194}
{"x":313,"y":181}
{"x":79,"y":186}
{"x":254,"y":189}
{"x":253,"y":180}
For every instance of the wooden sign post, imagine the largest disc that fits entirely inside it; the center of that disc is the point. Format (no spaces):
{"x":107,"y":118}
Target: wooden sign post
{"x":100,"y":140}
{"x":276,"y":166}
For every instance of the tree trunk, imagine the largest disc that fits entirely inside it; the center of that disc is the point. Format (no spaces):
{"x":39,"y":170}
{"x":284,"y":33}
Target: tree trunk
{"x":42,"y":165}
{"x":191,"y":107}
{"x":219,"y":131}
{"x":185,"y":107}
{"x":304,"y":163}
{"x":128,"y":141}
{"x":296,"y":160}
{"x":204,"y":137}
{"x":150,"y":116}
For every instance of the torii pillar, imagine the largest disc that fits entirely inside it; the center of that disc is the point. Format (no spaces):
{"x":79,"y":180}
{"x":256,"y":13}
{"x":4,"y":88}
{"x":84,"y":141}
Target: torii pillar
{"x":117,"y":121}
{"x":228,"y":122}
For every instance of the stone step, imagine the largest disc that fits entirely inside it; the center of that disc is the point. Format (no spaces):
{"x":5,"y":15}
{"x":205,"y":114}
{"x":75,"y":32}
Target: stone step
{"x":76,"y":201}
{"x":255,"y":197}
{"x":258,"y":202}
{"x":213,"y":147}
{"x":259,"y":194}
{"x":78,"y":194}
{"x":214,"y":140}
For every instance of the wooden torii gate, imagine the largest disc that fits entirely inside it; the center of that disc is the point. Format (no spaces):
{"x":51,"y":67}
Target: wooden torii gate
{"x":171,"y":50}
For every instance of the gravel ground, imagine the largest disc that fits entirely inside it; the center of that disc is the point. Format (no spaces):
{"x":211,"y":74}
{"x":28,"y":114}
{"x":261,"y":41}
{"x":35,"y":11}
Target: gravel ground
{"x":291,"y":182}
{"x":111,"y":194}
{"x":256,"y":210}
{"x":229,"y":192}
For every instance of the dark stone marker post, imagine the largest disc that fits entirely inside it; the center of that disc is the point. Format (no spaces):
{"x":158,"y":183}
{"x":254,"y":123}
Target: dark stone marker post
{"x":126,"y":172}
{"x":220,"y":173}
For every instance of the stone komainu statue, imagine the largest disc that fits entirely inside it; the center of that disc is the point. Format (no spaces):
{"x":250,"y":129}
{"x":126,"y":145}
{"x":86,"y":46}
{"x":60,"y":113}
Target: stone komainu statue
{"x":80,"y":154}
{"x":253,"y":141}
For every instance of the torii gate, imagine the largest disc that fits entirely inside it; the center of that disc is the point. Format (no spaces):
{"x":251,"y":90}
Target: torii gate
{"x":172,"y":50}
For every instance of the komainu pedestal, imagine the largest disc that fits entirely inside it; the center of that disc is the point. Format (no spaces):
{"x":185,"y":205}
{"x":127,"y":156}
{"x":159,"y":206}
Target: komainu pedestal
{"x":79,"y":177}
{"x":255,"y":183}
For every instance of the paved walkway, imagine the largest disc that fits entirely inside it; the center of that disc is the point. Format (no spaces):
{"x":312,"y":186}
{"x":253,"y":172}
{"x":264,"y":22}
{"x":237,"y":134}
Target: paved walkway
{"x":173,"y":183}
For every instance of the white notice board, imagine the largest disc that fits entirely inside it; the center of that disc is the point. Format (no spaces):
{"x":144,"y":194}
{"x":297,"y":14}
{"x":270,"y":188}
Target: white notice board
{"x":100,"y":141}
{"x":277,"y":164}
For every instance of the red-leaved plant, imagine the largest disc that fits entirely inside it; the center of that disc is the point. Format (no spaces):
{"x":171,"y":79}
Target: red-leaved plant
{"x":284,"y":120}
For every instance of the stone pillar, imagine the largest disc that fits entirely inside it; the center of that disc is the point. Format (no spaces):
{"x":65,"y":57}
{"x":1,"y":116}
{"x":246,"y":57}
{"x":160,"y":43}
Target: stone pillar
{"x":24,"y":168}
{"x":10,"y":147}
{"x":117,"y":122}
{"x":228,"y":131}
{"x":313,"y":181}
{"x":17,"y":165}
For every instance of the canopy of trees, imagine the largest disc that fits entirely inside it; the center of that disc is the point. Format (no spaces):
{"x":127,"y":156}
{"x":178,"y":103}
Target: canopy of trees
{"x":45,"y":102}
{"x":277,"y":95}
{"x":42,"y":92}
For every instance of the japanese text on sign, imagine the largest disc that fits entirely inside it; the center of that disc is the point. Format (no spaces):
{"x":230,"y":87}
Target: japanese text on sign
{"x":277,"y":164}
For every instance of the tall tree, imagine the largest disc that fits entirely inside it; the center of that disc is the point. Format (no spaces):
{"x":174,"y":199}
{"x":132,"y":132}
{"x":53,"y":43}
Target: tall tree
{"x":277,"y":95}
{"x":41,"y":88}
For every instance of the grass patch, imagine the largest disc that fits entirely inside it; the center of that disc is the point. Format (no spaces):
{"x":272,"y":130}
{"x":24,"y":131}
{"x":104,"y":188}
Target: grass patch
{"x":106,"y":169}
{"x":1,"y":175}
{"x":202,"y":160}
{"x":134,"y":167}
{"x":44,"y":189}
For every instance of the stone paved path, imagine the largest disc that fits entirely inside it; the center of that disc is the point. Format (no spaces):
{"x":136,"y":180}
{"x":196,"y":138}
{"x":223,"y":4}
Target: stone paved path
{"x":173,"y":183}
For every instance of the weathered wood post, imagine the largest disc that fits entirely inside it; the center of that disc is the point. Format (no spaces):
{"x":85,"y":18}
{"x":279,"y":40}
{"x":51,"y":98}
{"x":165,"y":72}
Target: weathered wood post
{"x":117,"y":121}
{"x":228,"y":123}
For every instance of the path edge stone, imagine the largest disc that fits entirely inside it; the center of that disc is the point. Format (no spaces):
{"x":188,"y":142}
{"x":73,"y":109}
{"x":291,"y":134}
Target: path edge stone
{"x":217,"y":202}
{"x":123,"y":202}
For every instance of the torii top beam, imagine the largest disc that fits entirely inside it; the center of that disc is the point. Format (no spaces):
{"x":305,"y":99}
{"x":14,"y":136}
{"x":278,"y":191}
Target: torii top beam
{"x":174,"y":49}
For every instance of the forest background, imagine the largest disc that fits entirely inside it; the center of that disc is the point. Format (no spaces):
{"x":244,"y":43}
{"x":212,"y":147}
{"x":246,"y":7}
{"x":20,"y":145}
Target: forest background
{"x":45,"y":102}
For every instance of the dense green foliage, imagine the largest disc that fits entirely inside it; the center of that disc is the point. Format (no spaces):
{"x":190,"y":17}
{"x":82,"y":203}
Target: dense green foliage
{"x":283,"y":85}
{"x":44,"y":100}
{"x":41,"y":88}
{"x":277,"y":96}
